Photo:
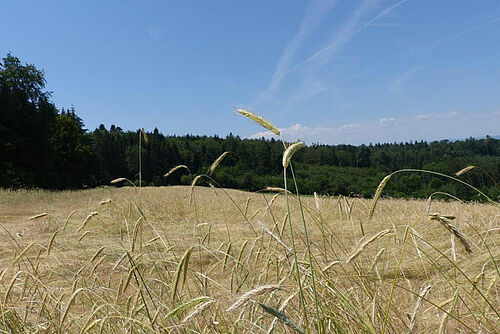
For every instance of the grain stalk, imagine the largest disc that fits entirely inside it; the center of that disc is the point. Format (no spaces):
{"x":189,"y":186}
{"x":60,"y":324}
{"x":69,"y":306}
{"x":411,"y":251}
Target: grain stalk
{"x":386,"y":179}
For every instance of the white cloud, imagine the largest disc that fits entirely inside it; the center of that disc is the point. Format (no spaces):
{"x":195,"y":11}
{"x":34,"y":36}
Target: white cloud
{"x":431,"y":126}
{"x":387,"y":120}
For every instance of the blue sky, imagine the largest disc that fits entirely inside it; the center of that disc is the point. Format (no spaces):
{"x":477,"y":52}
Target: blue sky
{"x":346,"y":71}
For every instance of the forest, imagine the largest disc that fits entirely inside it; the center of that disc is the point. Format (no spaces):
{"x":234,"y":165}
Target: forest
{"x":42,"y":146}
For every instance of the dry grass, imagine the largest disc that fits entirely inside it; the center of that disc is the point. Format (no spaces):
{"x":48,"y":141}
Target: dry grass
{"x":166,"y":265}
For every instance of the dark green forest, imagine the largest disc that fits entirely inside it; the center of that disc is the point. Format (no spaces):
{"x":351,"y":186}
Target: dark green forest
{"x":42,"y":146}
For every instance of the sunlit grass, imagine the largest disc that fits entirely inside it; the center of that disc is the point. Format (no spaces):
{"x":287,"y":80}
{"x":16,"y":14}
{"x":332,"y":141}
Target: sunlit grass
{"x":123,"y":290}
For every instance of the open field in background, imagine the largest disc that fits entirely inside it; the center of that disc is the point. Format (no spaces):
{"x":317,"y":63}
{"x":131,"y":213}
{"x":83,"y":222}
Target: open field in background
{"x":141,"y":262}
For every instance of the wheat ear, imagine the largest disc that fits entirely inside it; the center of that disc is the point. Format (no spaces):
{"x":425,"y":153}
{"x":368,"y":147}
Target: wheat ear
{"x":216,"y":163}
{"x":378,"y":193}
{"x":464,"y":170}
{"x":92,"y":214}
{"x":198,"y":310}
{"x":445,"y":221}
{"x":413,"y":317}
{"x":40,"y":215}
{"x":274,"y":236}
{"x":365,"y":244}
{"x":181,"y":267}
{"x":260,"y":120}
{"x":252,"y":293}
{"x":176,"y":168}
{"x":290,"y":151}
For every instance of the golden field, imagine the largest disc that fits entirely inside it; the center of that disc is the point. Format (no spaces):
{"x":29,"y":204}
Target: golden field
{"x":210,"y":260}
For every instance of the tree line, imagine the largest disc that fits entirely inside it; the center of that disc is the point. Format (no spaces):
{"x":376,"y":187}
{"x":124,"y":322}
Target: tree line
{"x":42,"y":146}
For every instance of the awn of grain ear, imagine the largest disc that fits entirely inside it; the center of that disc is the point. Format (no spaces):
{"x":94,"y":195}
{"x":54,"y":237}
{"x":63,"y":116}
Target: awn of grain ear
{"x":93,"y":324}
{"x":259,"y":120}
{"x":59,"y":301}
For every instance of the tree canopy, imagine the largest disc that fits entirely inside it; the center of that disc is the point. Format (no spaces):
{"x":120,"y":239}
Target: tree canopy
{"x":42,"y":146}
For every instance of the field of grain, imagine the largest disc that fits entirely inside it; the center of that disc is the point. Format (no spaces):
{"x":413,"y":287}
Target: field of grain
{"x":211,"y":260}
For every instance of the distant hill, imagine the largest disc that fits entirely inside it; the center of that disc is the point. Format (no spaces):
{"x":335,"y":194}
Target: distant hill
{"x":477,"y":138}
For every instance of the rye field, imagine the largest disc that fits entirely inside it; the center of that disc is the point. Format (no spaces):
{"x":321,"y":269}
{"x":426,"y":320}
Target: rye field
{"x":211,"y":260}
